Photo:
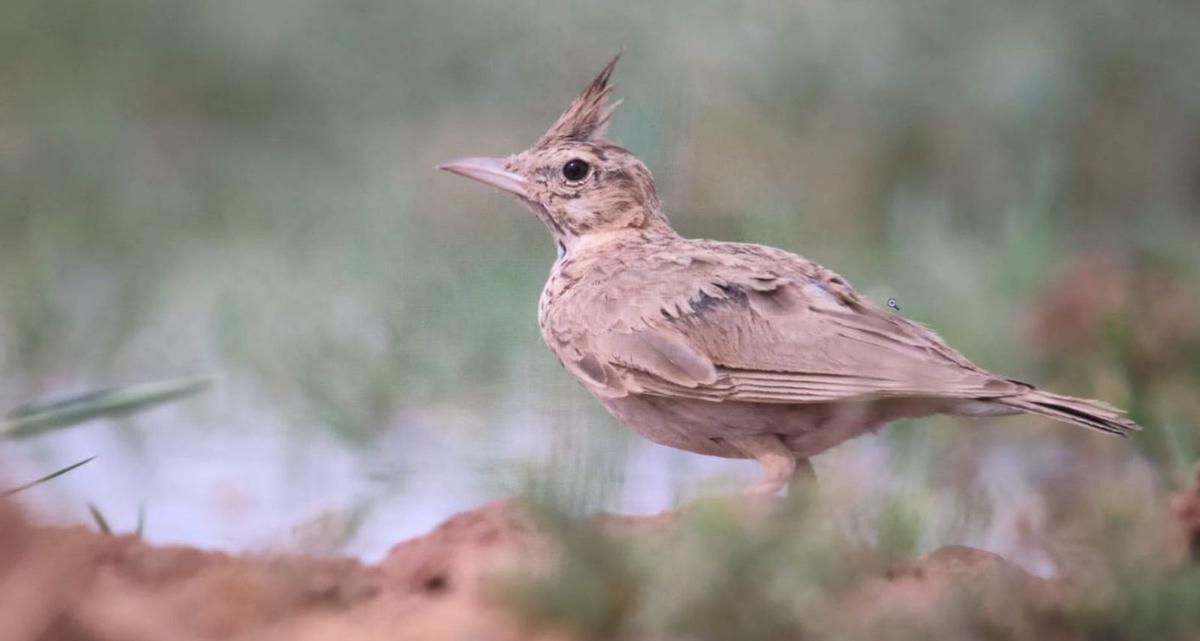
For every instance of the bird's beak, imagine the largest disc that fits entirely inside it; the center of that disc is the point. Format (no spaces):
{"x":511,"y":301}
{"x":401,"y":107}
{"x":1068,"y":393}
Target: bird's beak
{"x":490,"y":171}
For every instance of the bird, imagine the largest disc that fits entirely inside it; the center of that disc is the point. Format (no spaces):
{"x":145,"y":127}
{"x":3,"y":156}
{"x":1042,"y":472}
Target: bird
{"x":727,"y":349}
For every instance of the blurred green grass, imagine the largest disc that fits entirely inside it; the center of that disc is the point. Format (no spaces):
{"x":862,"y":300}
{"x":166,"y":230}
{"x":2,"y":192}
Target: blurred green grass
{"x":247,"y":188}
{"x":717,"y":571}
{"x":250,"y":186}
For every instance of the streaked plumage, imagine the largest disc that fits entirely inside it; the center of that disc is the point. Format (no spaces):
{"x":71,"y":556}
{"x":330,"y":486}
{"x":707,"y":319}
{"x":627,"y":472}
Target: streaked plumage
{"x":727,"y":349}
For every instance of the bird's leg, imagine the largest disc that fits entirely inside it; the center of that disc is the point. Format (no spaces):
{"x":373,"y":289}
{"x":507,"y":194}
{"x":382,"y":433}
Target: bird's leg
{"x":776,"y":460}
{"x":804,"y":473}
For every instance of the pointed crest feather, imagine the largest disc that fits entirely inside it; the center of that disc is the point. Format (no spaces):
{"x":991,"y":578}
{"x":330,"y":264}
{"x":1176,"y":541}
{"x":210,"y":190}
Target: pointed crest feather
{"x":586,"y":119}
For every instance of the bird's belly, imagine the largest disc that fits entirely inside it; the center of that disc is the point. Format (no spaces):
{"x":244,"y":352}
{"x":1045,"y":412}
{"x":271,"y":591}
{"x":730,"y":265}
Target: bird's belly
{"x":806,"y":428}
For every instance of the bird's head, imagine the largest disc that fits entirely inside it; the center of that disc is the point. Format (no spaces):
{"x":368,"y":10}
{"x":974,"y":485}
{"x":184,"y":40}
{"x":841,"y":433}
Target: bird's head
{"x":575,"y":180}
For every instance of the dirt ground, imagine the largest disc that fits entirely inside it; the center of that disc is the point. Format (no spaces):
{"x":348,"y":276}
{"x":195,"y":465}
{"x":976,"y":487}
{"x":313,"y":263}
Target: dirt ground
{"x":75,"y":584}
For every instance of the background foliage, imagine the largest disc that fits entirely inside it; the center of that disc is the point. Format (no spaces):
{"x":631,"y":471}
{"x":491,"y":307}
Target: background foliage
{"x":246,"y":189}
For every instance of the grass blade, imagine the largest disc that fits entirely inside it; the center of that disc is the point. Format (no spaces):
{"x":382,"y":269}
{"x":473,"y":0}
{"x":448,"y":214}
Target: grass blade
{"x":37,"y":418}
{"x":48,"y":477}
{"x":101,"y":522}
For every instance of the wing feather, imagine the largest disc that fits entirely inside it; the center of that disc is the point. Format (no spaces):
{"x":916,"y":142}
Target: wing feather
{"x":799,"y":337}
{"x":726,"y":321}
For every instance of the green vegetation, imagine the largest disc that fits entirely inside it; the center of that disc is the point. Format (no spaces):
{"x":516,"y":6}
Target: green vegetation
{"x":38,"y":417}
{"x":49,"y":477}
{"x":723,"y":571}
{"x":253,"y":185}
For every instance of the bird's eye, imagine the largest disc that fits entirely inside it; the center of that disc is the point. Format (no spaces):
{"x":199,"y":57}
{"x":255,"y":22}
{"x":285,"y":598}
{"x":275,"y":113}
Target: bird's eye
{"x":575,"y":170}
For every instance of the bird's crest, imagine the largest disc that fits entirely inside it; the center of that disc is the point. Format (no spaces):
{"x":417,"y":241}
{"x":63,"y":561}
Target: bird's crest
{"x":586,"y":119}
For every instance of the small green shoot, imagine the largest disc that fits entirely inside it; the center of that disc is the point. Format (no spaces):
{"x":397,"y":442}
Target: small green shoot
{"x":52,"y":475}
{"x":98,"y":518}
{"x":40,"y":417}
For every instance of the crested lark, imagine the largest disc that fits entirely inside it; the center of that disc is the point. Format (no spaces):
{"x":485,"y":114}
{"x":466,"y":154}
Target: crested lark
{"x":726,"y":349}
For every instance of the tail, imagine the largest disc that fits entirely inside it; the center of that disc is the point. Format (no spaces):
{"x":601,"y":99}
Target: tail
{"x":1077,"y":411}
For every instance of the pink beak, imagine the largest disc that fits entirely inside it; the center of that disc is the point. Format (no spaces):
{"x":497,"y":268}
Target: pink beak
{"x":490,"y":171}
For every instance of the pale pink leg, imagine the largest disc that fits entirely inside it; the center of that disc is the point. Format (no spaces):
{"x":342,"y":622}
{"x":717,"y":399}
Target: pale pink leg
{"x":804,"y":472}
{"x":776,"y":460}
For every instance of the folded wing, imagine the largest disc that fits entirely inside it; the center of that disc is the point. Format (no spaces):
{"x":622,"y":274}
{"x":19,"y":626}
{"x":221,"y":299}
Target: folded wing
{"x":785,"y":338}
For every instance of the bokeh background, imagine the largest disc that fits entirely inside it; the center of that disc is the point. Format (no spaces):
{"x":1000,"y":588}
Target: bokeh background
{"x":246,"y":190}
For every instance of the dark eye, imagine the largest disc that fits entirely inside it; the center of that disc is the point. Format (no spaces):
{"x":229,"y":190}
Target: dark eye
{"x":575,"y":170}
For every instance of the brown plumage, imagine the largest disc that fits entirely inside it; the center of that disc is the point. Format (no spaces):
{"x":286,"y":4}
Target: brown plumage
{"x":726,"y":349}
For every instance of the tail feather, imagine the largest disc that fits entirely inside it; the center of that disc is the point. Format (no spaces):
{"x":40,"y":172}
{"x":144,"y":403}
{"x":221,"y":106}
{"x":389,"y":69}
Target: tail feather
{"x":1078,"y":411}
